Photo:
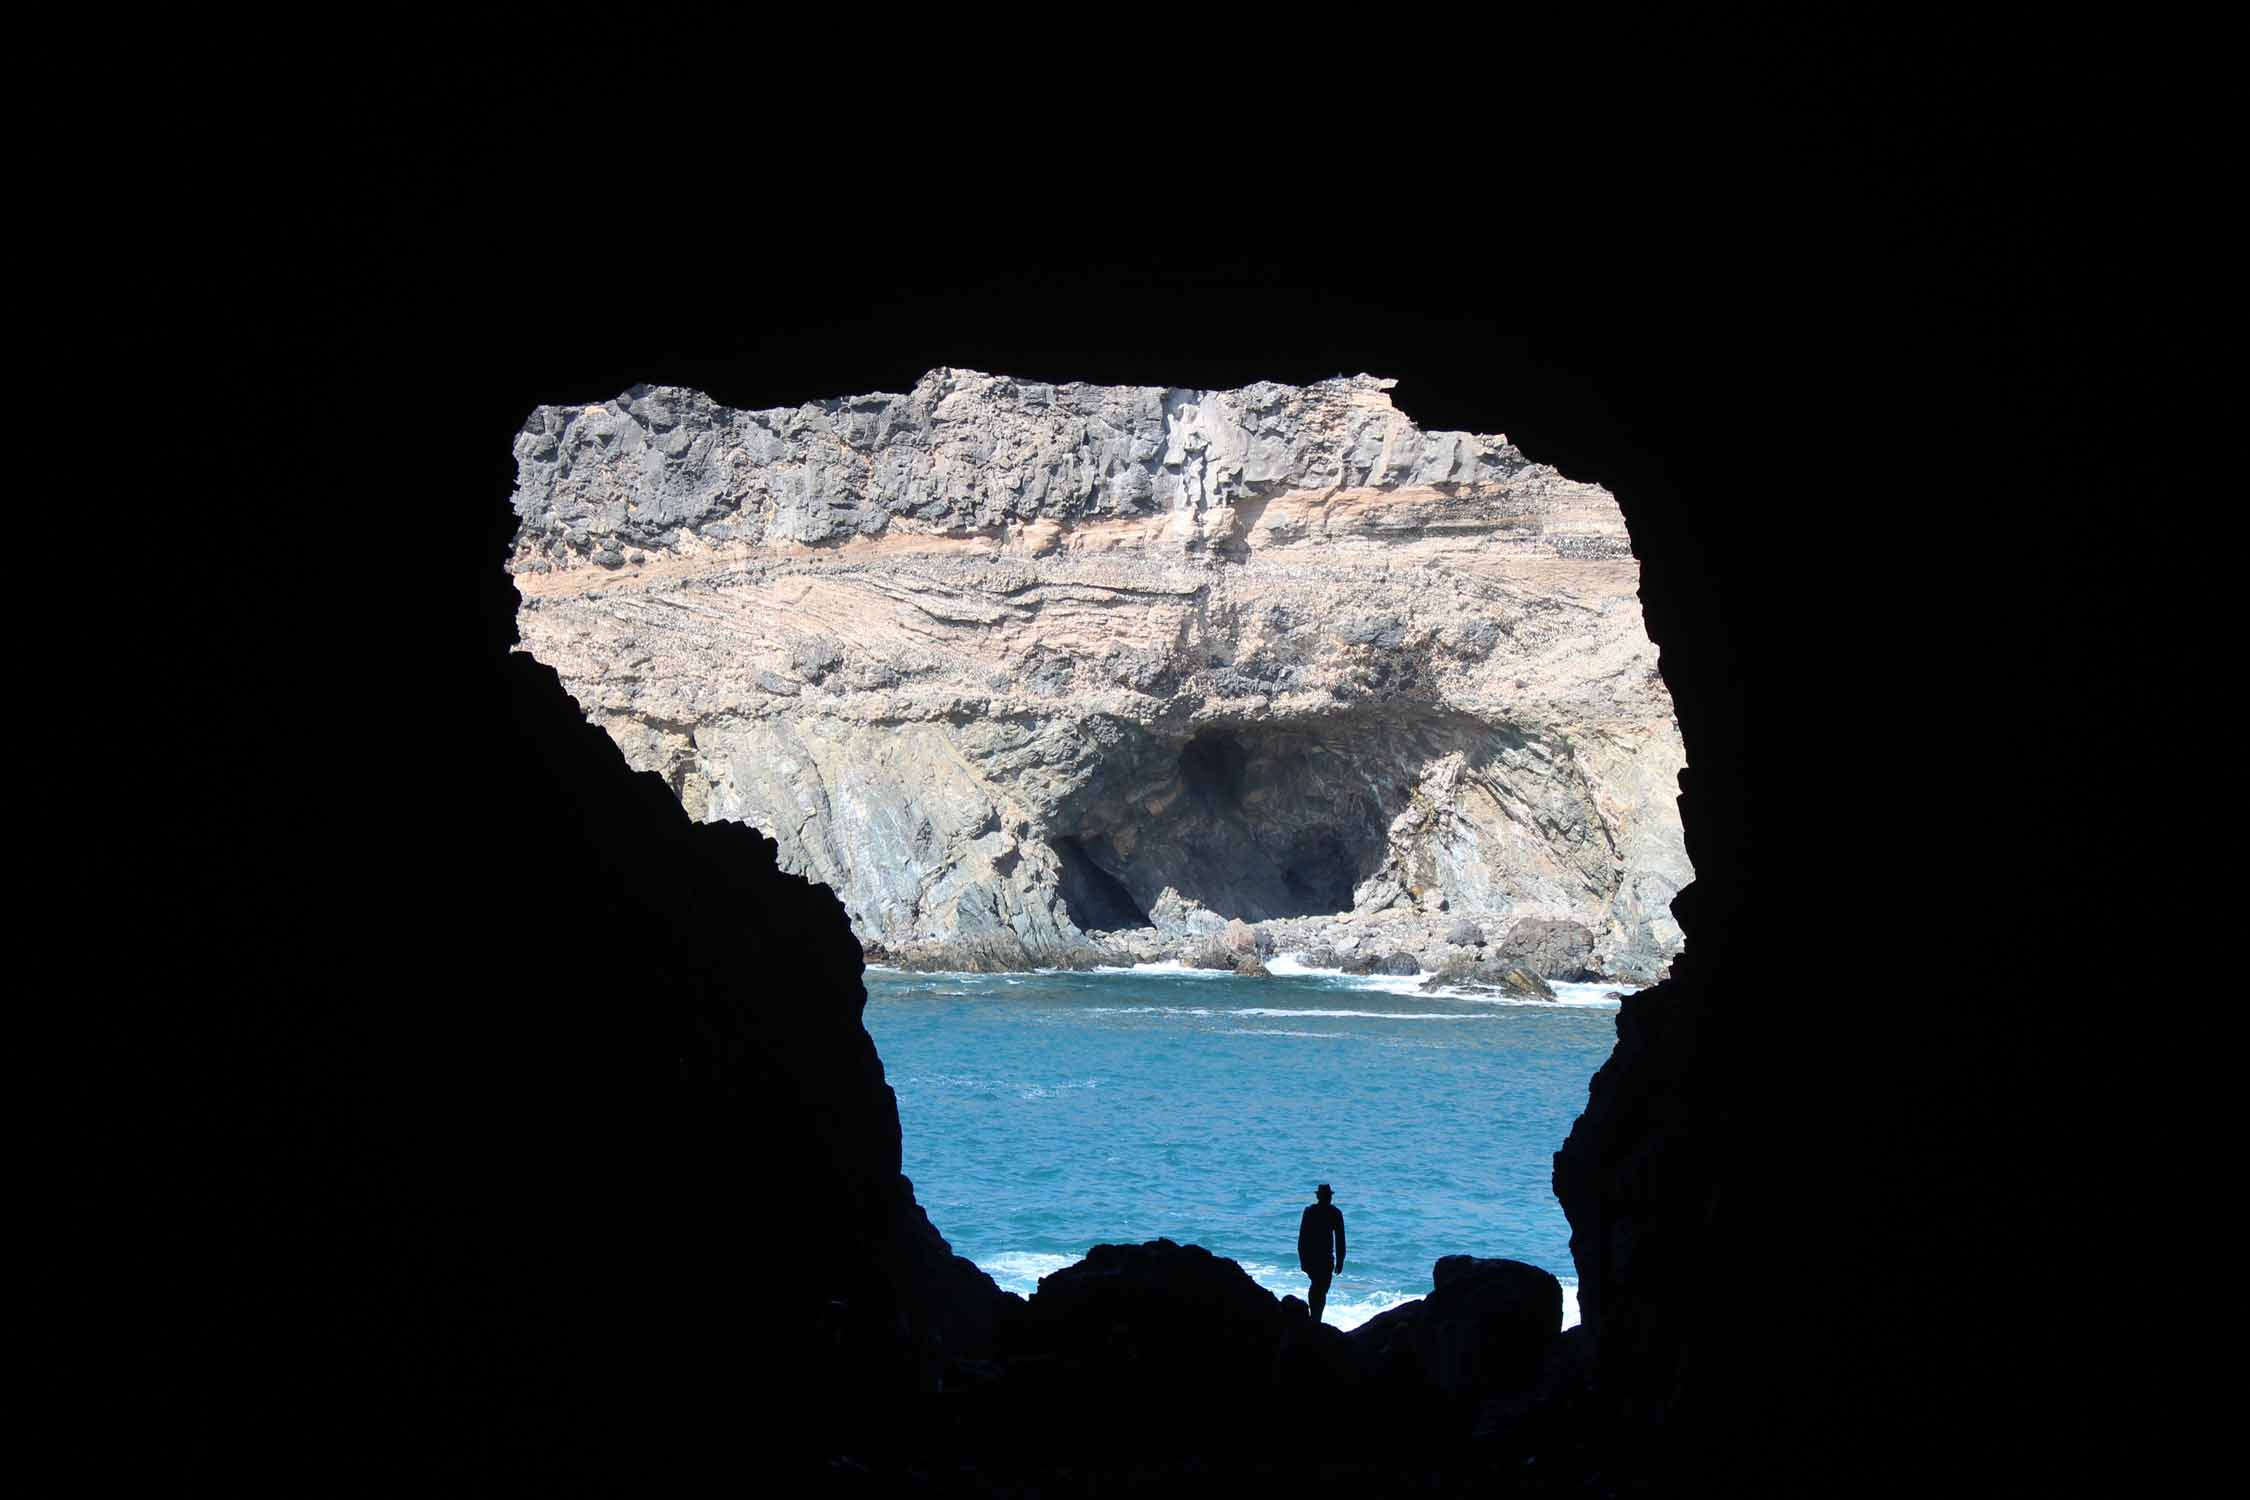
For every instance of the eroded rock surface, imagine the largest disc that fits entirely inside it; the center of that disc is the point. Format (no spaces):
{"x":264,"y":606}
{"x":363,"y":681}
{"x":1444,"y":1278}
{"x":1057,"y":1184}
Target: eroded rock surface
{"x":1040,"y":673}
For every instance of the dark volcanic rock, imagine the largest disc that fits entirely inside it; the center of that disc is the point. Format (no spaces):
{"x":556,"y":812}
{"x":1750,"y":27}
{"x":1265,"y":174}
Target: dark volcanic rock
{"x":1396,"y":963}
{"x":1488,"y":1324}
{"x":1157,"y":1285}
{"x":1317,"y":1363}
{"x":1163,"y":1312}
{"x":1479,"y":1357}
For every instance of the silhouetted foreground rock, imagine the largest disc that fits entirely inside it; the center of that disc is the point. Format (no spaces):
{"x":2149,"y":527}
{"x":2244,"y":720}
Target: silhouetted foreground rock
{"x":1158,"y":1302}
{"x":1487,"y":1326}
{"x":517,"y":1168}
{"x":1182,"y":1350}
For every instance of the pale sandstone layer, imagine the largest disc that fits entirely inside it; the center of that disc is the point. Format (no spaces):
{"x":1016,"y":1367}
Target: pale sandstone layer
{"x":1007,"y":664}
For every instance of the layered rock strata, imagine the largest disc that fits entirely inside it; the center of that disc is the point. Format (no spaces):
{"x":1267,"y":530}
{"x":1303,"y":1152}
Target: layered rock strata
{"x":1037,"y":673}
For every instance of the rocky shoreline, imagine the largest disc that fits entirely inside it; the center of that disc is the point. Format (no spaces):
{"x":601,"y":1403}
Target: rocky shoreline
{"x":1459,"y":956}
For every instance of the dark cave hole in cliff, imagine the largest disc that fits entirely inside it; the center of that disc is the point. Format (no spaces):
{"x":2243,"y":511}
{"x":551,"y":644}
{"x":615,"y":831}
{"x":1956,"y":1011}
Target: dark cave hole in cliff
{"x":1096,"y":900}
{"x":1319,"y":871}
{"x":1263,"y":829}
{"x":1257,"y":821}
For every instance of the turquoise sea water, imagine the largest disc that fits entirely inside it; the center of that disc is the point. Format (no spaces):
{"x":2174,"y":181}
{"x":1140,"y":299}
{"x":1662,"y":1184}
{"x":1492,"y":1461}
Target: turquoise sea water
{"x":1046,"y":1113}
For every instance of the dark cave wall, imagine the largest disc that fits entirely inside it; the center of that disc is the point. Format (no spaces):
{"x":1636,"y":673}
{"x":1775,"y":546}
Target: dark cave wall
{"x":534,"y":1146}
{"x":431,"y":1098}
{"x":1837,"y":1205}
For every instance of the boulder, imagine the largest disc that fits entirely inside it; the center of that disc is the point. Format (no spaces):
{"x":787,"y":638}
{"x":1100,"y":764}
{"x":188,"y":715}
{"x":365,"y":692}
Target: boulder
{"x":1487,"y":1325}
{"x":1465,"y":934}
{"x":1483,"y":974}
{"x":1251,"y":968}
{"x":1397,"y":963}
{"x":1549,"y":949}
{"x":1167,"y":1306}
{"x":1210,"y":954}
{"x":1243,"y":939}
{"x":1487,"y":1328}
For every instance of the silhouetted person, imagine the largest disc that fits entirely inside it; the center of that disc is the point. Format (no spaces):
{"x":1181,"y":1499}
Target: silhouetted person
{"x":1320,"y":1247}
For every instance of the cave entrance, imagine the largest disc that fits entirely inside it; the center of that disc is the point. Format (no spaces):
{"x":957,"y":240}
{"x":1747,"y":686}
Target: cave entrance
{"x":1256,"y":821}
{"x":1096,"y":900}
{"x":1273,"y":820}
{"x":1320,"y":870}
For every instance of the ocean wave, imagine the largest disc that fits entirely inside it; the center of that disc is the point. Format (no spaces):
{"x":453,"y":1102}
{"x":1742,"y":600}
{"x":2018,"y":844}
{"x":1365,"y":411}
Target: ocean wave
{"x":1162,"y":966}
{"x":1349,"y":1305}
{"x":1156,"y":1010}
{"x":1019,"y":1271}
{"x":1278,"y":1013}
{"x":1581,"y":996}
{"x":1361,"y":1015}
{"x":1601,"y":995}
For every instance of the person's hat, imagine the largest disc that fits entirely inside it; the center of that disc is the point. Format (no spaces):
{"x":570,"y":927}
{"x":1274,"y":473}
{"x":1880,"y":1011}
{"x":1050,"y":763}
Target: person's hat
{"x":1323,"y":1190}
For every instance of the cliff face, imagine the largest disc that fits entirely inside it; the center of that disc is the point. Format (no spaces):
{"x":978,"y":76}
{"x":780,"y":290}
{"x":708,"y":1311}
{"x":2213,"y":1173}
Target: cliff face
{"x":1007,"y":664}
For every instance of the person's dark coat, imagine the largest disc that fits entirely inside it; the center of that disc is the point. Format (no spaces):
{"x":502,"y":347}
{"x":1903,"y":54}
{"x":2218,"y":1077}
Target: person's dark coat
{"x":1322,"y":1225}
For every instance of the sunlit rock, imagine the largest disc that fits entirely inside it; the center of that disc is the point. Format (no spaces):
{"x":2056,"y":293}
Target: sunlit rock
{"x":1042,"y":673}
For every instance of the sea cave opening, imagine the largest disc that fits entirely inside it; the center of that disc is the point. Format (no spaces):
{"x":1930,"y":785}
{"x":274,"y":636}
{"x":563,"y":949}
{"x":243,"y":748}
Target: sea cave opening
{"x":1096,"y":900}
{"x":1258,"y":822}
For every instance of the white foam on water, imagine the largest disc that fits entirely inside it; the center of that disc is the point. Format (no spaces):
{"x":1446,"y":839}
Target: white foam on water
{"x":1155,"y":1010}
{"x":1049,"y":1090}
{"x":1601,"y":992}
{"x":1162,"y":966}
{"x":1364,"y":1015}
{"x":1600,"y":995}
{"x":1019,"y":1271}
{"x":1284,"y":1031}
{"x":1279,"y":1013}
{"x":1596,"y":995}
{"x":1349,"y":1305}
{"x":1579,"y":996}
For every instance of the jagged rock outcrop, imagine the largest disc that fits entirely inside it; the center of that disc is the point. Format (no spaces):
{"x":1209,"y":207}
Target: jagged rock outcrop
{"x":1010,"y":664}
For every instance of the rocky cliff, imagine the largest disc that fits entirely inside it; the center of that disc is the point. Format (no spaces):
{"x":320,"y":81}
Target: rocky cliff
{"x":1009,"y":664}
